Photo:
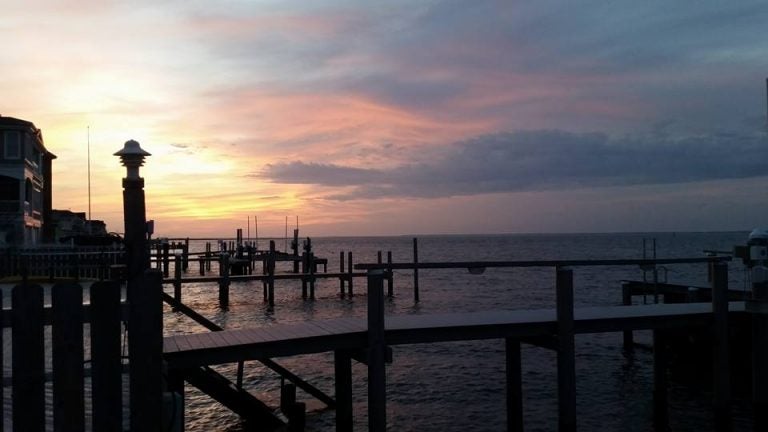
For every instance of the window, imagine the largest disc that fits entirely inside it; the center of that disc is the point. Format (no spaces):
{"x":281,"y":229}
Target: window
{"x":12,"y":145}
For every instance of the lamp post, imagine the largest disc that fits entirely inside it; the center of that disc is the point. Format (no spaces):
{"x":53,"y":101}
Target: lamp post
{"x":134,"y":211}
{"x":144,"y":290}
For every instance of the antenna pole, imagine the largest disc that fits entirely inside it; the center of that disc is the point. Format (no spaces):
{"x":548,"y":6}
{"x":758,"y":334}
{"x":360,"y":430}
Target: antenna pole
{"x":89,"y":179}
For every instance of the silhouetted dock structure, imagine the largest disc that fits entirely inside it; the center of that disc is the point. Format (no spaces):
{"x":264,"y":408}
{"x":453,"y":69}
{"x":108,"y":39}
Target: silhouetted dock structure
{"x":369,"y":340}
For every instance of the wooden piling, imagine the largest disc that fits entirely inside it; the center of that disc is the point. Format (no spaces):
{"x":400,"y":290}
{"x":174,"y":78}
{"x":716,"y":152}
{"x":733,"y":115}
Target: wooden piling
{"x":721,"y":368}
{"x":342,"y":361}
{"x":341,"y":272}
{"x":177,"y":267}
{"x":145,"y":351}
{"x":304,"y":266}
{"x":311,"y":260}
{"x":390,"y":276}
{"x":271,"y":273}
{"x":202,"y":266}
{"x":377,"y":390}
{"x":185,"y":254}
{"x":566,"y":364}
{"x":287,"y":396}
{"x":759,"y":308}
{"x":166,"y":259}
{"x":626,"y":300}
{"x":660,"y":409}
{"x":415,"y":270}
{"x":351,"y":280}
{"x":224,"y":281}
{"x":514,"y":385}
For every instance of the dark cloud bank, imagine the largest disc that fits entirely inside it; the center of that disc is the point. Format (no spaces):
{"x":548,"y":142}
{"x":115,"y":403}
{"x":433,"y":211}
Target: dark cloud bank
{"x":543,"y":160}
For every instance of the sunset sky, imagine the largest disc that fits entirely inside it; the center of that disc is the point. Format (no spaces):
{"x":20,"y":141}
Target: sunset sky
{"x":401,"y":117}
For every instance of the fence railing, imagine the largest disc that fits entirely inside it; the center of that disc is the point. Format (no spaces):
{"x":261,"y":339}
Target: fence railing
{"x":62,"y":262}
{"x":66,"y":316}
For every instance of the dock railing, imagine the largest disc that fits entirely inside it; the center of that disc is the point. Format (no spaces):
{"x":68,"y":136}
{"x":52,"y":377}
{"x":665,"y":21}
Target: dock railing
{"x":55,"y":263}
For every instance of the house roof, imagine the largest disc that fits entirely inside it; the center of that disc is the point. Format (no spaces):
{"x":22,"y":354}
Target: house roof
{"x":12,"y":121}
{"x":19,"y":123}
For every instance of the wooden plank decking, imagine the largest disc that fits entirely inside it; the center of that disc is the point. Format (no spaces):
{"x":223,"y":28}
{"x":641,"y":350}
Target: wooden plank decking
{"x":349,"y":333}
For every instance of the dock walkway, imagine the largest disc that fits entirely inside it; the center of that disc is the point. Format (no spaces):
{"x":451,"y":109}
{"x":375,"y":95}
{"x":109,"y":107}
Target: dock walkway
{"x":309,"y":337}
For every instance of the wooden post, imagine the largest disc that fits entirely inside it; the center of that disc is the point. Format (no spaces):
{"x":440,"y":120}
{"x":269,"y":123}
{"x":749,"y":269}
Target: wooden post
{"x":287,"y":396}
{"x":390,"y":276}
{"x":271,"y":272}
{"x":311,"y":260}
{"x":416,"y":270}
{"x":28,"y":357}
{"x":514,"y":385}
{"x":145,"y":348}
{"x":377,"y":384}
{"x":177,"y":267}
{"x":67,"y":356}
{"x":2,"y":362}
{"x":566,"y":354}
{"x":660,"y":410}
{"x":343,"y":372}
{"x":208,"y":256}
{"x":202,"y":266}
{"x":105,"y":355}
{"x":166,"y":259}
{"x":304,"y":266}
{"x":341,"y":272}
{"x":185,"y":254}
{"x":759,"y":308}
{"x":721,"y":368}
{"x":626,"y":300}
{"x":224,"y":281}
{"x":350,"y":269}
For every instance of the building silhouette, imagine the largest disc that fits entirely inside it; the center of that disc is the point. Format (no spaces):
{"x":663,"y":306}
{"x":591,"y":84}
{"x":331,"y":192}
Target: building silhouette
{"x":25,"y":185}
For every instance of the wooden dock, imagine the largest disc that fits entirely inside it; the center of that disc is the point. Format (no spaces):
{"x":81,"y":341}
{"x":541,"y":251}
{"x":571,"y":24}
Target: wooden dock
{"x":309,"y":337}
{"x":368,"y":340}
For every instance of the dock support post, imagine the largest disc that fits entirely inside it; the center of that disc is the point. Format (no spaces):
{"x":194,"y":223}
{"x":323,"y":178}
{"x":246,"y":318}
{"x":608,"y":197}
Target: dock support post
{"x":224,"y":281}
{"x":177,"y":278}
{"x":145,"y":351}
{"x":660,"y":411}
{"x":185,"y":253}
{"x":514,"y":386}
{"x":304,"y":266}
{"x":377,"y":384}
{"x":202,"y":266}
{"x":166,"y":259}
{"x":758,"y":306}
{"x":626,"y":300}
{"x":390,"y":276}
{"x":350,"y":269}
{"x":311,"y":260}
{"x":271,"y":274}
{"x":343,"y":371}
{"x":415,"y":270}
{"x":566,"y":352}
{"x":721,"y":367}
{"x":341,"y":272}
